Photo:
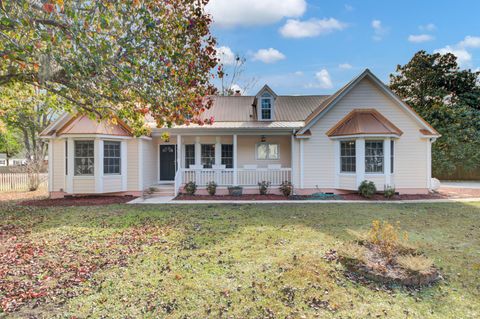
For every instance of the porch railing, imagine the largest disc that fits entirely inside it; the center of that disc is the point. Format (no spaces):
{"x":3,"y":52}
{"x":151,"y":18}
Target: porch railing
{"x":245,"y":177}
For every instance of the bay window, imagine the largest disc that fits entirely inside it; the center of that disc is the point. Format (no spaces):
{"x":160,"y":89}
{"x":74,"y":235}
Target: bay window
{"x":84,"y":159}
{"x":347,"y":157}
{"x":374,"y":157}
{"x":111,"y":158}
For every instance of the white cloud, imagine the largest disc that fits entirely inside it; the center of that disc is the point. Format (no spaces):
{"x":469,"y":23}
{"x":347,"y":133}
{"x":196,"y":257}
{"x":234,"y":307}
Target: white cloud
{"x":345,"y":66}
{"x":270,"y":55}
{"x":349,"y":7}
{"x":463,"y":56}
{"x":231,"y":13}
{"x":470,"y":42}
{"x":379,"y":30}
{"x":311,"y":28}
{"x":428,"y":27}
{"x":298,"y":73}
{"x":226,"y":55}
{"x":323,"y":80}
{"x":420,"y":38}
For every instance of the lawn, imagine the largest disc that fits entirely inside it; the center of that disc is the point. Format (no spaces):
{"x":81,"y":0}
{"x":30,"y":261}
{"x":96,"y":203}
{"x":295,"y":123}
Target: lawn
{"x":226,"y":261}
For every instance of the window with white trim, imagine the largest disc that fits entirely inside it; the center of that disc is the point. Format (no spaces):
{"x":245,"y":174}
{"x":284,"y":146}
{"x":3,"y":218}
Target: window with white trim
{"x":268,"y":151}
{"x":189,"y":155}
{"x":348,"y":157}
{"x":374,"y":157}
{"x":266,"y":107}
{"x":208,"y":155}
{"x":111,"y":157}
{"x":227,"y":155}
{"x":84,"y":159}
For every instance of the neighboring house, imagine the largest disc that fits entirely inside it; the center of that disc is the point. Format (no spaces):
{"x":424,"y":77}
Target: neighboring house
{"x":319,"y":143}
{"x":4,"y":161}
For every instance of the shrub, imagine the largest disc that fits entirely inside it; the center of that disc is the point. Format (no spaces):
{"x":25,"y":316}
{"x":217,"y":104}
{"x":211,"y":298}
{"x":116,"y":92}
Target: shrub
{"x":191,"y":188}
{"x":286,"y":188}
{"x":235,"y":190}
{"x":386,"y":236}
{"x":367,"y":189}
{"x":212,"y":188}
{"x":389,"y":191}
{"x":263,"y":187}
{"x":415,"y":264}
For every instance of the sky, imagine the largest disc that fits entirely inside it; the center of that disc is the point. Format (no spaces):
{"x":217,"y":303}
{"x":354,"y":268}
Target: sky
{"x":315,"y":47}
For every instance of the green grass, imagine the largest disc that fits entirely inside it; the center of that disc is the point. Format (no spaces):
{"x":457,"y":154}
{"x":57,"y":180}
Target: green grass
{"x":243,"y":261}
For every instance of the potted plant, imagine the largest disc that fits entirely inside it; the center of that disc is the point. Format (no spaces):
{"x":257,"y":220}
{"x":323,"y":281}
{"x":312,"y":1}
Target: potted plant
{"x":235,"y":190}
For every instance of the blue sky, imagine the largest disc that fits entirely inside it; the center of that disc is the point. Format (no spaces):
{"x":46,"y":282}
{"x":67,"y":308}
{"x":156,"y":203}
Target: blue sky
{"x":314,"y":47}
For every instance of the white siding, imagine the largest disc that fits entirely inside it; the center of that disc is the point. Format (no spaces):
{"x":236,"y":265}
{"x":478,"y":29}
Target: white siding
{"x":149,"y":163}
{"x":132,"y":160}
{"x":410,"y":149}
{"x":112,"y":184}
{"x":83,"y":185}
{"x":58,"y":159}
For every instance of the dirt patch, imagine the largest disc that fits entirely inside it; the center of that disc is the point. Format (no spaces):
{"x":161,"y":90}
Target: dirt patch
{"x":228,"y":197}
{"x":79,"y":201}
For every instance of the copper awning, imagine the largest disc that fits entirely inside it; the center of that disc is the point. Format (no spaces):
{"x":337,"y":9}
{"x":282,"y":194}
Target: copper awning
{"x":364,"y":122}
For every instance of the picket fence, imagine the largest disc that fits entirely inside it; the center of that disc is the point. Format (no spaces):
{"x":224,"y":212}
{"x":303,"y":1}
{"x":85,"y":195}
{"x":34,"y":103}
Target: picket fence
{"x":19,"y":181}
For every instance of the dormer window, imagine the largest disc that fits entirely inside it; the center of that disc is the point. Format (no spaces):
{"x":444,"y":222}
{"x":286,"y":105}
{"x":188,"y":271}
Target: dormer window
{"x":266,"y":107}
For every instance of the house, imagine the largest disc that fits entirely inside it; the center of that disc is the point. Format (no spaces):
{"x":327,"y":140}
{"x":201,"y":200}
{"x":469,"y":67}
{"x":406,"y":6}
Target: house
{"x":319,"y":143}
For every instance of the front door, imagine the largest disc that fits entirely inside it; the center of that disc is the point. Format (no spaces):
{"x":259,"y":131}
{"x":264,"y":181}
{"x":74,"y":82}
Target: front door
{"x":167,"y":162}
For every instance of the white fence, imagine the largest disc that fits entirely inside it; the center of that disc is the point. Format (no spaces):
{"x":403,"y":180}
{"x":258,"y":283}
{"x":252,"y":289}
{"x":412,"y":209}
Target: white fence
{"x":245,"y":177}
{"x":19,"y":181}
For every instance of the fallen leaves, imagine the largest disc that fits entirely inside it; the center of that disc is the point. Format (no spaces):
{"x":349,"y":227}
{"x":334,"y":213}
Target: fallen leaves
{"x":37,"y":269}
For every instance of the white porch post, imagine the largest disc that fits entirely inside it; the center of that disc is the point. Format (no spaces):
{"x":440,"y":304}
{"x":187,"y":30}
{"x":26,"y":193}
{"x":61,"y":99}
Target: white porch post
{"x":70,"y":164}
{"x":218,"y":151}
{"x":235,"y":164}
{"x":429,"y":163}
{"x":140,"y":164}
{"x":293,"y":173}
{"x":360,"y":160}
{"x":386,"y":161}
{"x":198,"y":151}
{"x":179,"y":152}
{"x":301,"y":164}
{"x":98,"y":165}
{"x":124,"y":164}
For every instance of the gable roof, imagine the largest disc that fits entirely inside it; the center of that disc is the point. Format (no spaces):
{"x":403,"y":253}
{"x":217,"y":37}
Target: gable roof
{"x":81,"y":124}
{"x":364,"y":121}
{"x":333,"y":99}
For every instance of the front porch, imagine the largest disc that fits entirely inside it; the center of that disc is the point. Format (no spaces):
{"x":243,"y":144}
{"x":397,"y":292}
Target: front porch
{"x":227,"y":160}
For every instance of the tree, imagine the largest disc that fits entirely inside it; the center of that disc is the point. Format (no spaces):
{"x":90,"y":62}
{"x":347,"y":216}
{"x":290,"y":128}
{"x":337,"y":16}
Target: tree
{"x":232,"y":79}
{"x":128,"y":58}
{"x":25,"y":109}
{"x":449,"y":99}
{"x":9,"y":142}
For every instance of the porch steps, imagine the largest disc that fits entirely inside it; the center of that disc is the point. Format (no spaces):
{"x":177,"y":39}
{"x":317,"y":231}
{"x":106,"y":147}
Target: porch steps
{"x":163,"y":190}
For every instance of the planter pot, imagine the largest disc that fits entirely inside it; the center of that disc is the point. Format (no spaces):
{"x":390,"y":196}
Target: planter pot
{"x":235,"y":191}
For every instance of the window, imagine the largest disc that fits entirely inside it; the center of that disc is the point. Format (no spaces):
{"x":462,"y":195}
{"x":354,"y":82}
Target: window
{"x":227,"y":155}
{"x":266,"y":107}
{"x":66,"y":157}
{"x":3,"y":162}
{"x":84,"y":158}
{"x":208,"y":155}
{"x":373,"y":156}
{"x":268,"y":151}
{"x":347,"y":157}
{"x":392,"y":155}
{"x":111,"y":157}
{"x":189,"y":155}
